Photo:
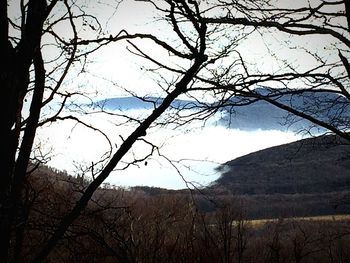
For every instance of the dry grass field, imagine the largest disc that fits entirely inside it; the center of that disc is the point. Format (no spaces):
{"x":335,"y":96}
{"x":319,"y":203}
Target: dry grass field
{"x":324,"y":218}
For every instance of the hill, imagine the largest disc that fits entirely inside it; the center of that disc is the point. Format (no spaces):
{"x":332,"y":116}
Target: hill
{"x":138,"y":103}
{"x":247,"y":114}
{"x":307,"y":177}
{"x":315,"y":165}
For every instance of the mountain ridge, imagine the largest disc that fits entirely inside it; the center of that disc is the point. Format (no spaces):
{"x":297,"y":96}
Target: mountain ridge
{"x":294,"y":168}
{"x":248,"y":114}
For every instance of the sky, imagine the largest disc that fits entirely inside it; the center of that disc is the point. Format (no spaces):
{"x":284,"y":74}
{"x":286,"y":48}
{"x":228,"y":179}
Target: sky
{"x":196,"y":149}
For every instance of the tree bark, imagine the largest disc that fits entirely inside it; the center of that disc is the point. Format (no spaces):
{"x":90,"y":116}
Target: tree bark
{"x":14,"y":77}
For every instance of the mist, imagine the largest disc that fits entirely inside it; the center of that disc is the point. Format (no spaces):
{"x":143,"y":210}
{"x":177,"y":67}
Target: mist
{"x":185,"y":157}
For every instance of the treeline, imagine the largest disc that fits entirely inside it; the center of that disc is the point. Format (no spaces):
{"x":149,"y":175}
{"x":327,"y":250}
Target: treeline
{"x":136,"y":226}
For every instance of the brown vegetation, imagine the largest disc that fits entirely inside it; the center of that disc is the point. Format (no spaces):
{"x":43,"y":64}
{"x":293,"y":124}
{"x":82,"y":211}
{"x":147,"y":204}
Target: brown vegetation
{"x":132,"y":225}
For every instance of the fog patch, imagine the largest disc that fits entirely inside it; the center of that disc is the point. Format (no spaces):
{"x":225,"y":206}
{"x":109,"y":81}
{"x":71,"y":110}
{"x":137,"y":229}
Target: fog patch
{"x":195,"y":150}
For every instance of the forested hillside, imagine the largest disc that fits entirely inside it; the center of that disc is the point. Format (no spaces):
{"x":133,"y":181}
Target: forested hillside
{"x":145,"y":224}
{"x":307,"y":177}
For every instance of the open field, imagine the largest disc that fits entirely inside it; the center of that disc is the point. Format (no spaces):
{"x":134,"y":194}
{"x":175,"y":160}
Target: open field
{"x":324,"y":218}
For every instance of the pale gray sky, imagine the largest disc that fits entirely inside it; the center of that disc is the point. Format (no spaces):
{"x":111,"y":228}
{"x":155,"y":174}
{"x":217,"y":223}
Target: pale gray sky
{"x":114,"y":68}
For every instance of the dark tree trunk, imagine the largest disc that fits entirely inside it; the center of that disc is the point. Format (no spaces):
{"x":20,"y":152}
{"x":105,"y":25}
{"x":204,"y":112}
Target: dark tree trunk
{"x":347,"y":12}
{"x":14,"y":79}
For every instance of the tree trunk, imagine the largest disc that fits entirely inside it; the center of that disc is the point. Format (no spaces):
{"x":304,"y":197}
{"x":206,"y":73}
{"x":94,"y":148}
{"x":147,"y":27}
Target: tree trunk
{"x":14,"y":79}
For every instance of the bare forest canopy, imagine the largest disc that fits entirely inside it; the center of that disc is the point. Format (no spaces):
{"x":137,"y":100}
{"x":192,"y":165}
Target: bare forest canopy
{"x":143,"y":224}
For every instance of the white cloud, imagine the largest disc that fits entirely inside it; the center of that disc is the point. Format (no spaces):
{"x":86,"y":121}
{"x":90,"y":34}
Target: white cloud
{"x":198,"y":149}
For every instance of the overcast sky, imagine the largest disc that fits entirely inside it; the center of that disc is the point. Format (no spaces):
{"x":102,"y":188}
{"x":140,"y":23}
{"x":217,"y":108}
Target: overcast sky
{"x":200,"y":147}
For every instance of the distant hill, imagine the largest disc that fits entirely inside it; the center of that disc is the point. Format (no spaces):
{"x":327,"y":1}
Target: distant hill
{"x":310,"y":176}
{"x":326,"y":106}
{"x":135,"y":103}
{"x":252,"y":116}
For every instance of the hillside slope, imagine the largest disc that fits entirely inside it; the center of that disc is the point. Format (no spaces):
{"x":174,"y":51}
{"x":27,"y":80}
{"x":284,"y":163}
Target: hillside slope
{"x":315,"y":165}
{"x":307,"y":177}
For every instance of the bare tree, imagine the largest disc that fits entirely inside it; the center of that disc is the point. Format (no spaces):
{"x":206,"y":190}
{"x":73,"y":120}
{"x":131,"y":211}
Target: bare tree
{"x":28,"y":76}
{"x":204,"y":62}
{"x":33,"y":78}
{"x":16,"y":83}
{"x":314,"y":66}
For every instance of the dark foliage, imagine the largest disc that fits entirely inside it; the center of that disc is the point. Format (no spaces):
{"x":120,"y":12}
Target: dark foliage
{"x":167,"y":226}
